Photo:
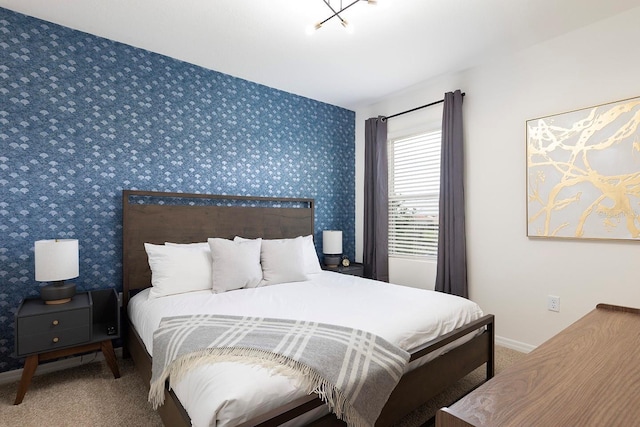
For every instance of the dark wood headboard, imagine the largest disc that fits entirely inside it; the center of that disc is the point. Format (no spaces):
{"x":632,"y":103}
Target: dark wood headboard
{"x":158,"y":217}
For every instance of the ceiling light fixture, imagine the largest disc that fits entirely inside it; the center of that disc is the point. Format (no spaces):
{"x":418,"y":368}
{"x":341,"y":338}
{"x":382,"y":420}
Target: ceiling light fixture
{"x":337,"y":11}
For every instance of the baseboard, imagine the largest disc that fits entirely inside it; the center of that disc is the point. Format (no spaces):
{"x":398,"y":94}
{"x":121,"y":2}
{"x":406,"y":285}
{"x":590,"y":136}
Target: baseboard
{"x":514,"y":345}
{"x":57,"y":365}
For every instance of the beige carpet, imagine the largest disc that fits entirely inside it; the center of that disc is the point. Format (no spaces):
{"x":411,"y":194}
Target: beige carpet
{"x":89,"y":396}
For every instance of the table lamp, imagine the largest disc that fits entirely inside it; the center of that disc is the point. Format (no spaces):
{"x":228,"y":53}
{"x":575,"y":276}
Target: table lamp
{"x":56,"y":261}
{"x":332,"y":247}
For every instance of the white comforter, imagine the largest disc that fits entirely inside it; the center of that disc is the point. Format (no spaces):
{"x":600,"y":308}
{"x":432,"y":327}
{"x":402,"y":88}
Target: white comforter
{"x":227,"y":394}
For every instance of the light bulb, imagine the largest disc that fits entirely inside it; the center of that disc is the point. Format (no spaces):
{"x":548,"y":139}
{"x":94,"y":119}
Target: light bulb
{"x":311,"y":29}
{"x":347,"y":26}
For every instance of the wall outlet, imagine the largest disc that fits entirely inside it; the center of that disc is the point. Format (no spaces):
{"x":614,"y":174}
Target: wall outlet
{"x":553,"y":303}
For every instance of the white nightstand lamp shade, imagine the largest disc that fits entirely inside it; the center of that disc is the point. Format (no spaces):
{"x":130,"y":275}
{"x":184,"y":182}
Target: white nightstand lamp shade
{"x":332,"y":247}
{"x":56,"y":261}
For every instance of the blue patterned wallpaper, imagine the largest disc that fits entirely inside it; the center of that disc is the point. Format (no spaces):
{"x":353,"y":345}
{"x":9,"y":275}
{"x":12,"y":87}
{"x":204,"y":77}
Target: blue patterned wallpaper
{"x":82,"y":118}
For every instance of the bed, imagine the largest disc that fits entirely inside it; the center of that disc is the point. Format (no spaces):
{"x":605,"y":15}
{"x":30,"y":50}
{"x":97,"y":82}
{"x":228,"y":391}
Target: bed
{"x":156,"y":218}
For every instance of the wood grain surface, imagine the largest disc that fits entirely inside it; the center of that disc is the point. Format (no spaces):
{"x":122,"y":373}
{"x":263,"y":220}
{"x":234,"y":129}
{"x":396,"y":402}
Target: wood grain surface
{"x":587,"y":375}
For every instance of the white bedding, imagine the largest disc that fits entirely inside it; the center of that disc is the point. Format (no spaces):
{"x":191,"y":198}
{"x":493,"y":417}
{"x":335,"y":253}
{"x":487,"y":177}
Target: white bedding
{"x":406,"y":317}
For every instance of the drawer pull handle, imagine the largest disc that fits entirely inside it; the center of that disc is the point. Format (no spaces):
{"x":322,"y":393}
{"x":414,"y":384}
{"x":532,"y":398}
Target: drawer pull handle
{"x":55,"y":323}
{"x":55,"y":339}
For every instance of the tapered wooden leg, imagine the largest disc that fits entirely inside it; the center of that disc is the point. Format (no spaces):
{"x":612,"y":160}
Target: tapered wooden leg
{"x":30,"y":365}
{"x":110,"y":357}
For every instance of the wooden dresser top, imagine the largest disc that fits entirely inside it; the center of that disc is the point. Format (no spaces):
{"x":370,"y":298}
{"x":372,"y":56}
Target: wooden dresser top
{"x":587,"y":375}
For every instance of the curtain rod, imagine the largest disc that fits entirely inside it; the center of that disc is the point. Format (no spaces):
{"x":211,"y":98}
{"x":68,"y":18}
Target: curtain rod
{"x":417,"y":108}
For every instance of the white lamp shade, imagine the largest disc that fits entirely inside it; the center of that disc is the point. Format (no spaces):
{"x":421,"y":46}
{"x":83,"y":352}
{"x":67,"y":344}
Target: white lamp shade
{"x":332,"y":242}
{"x":56,"y":260}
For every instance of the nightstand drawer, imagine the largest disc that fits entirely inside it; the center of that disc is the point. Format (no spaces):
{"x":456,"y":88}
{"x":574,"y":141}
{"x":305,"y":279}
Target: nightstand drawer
{"x":53,"y":339}
{"x":30,"y":325}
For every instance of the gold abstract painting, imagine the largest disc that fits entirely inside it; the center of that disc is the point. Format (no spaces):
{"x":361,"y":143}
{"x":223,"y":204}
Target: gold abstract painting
{"x":583,"y":173}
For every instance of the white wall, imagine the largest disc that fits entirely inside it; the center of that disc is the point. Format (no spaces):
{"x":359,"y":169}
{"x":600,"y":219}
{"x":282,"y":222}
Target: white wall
{"x":511,"y":275}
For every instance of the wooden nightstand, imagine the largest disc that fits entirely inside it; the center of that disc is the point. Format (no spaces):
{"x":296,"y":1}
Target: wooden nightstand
{"x":354,"y":269}
{"x":87,"y":323}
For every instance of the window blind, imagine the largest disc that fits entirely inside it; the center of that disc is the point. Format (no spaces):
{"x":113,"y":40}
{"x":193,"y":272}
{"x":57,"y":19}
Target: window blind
{"x":414,"y":185}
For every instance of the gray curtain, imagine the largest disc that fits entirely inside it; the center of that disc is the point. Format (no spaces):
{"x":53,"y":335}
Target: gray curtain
{"x":451,"y":276}
{"x":376,"y":197}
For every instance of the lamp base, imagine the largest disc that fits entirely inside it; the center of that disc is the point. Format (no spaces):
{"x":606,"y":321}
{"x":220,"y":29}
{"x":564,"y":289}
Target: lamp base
{"x":58,"y":301}
{"x":332,"y":260}
{"x":58,"y":293}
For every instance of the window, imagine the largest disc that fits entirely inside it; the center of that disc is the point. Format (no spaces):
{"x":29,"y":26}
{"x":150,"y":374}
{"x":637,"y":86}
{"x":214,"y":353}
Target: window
{"x":414,"y":186}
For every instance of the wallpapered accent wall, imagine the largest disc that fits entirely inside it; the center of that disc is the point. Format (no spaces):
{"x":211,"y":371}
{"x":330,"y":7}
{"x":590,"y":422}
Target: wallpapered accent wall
{"x":82,"y":118}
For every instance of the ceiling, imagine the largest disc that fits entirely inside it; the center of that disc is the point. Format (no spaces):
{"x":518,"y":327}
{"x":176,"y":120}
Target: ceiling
{"x":395,"y":44}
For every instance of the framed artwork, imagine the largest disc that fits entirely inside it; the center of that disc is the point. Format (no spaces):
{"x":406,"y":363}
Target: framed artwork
{"x":583,"y":173}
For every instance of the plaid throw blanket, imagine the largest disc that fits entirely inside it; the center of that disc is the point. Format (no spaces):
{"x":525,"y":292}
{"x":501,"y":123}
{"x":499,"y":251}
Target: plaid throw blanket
{"x":353,"y":371}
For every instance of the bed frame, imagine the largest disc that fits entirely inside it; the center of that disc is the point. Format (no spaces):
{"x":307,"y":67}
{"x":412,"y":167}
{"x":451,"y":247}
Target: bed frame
{"x":156,"y":217}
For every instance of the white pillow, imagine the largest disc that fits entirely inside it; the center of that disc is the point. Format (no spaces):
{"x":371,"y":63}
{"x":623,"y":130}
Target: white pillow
{"x":310,"y":257}
{"x":175,"y":270}
{"x":282,"y":261}
{"x":311,"y":262}
{"x":234,"y":265}
{"x":199,"y":245}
